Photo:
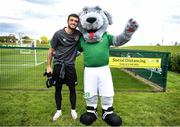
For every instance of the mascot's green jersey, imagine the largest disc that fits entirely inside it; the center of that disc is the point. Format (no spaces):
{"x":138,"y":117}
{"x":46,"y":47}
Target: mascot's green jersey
{"x":96,"y":54}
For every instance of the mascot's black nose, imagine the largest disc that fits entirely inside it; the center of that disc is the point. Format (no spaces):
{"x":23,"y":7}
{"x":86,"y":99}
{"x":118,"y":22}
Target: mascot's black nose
{"x":91,"y":19}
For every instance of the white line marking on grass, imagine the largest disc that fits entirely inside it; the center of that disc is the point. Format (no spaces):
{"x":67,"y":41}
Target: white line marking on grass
{"x":22,"y":65}
{"x":37,"y":64}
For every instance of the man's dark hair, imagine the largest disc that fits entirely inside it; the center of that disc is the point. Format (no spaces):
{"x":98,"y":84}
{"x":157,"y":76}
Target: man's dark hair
{"x":73,"y":15}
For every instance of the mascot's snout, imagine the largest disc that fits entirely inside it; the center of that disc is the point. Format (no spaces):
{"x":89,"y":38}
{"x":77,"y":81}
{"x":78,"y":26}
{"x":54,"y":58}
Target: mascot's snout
{"x":91,"y":20}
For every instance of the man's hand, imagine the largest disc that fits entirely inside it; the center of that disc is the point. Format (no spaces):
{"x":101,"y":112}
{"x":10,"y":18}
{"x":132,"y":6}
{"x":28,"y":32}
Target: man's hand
{"x":131,"y":27}
{"x":49,"y":70}
{"x":50,"y":80}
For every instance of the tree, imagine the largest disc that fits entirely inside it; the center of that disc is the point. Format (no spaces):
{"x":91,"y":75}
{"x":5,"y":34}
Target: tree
{"x":26,"y":37}
{"x":8,"y":39}
{"x":44,"y":40}
{"x":158,"y":44}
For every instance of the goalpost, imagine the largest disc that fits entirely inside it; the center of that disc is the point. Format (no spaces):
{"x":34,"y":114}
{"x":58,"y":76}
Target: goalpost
{"x":28,"y":48}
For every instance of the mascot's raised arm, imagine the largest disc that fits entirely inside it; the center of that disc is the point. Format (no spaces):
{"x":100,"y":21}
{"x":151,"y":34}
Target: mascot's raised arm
{"x":95,"y":43}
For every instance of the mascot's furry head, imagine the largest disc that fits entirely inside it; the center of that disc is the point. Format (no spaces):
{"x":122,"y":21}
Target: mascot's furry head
{"x":93,"y":23}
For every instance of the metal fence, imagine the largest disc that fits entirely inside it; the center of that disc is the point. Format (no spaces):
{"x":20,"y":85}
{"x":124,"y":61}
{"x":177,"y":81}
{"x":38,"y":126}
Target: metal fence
{"x":23,"y":68}
{"x":156,"y":76}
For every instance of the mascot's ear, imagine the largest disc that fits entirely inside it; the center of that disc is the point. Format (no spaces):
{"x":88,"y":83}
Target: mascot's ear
{"x":98,"y":8}
{"x":85,"y":9}
{"x":109,"y":17}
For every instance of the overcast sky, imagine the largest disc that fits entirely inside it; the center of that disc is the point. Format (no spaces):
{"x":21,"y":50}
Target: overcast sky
{"x":158,"y":19}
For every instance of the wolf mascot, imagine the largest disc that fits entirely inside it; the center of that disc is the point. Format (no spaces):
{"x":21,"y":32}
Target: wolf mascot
{"x":95,"y":44}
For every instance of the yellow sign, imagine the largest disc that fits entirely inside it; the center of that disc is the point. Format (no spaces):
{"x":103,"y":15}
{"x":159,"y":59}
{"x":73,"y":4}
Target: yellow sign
{"x":129,"y":62}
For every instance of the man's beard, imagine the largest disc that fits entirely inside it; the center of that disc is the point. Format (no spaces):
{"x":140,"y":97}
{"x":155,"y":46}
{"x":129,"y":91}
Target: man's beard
{"x":71,"y":28}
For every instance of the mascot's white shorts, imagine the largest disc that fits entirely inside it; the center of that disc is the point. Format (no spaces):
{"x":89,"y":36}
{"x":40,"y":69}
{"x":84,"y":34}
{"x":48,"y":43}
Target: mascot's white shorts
{"x":98,"y":81}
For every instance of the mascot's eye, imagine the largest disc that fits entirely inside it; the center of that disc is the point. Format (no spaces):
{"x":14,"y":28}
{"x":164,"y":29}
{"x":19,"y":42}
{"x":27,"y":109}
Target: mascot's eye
{"x":85,"y":12}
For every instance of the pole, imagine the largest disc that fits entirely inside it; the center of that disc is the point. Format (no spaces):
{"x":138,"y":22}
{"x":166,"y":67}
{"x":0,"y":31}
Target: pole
{"x":35,"y":53}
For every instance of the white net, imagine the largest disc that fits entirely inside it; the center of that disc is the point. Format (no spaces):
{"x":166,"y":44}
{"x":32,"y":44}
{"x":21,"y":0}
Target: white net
{"x":27,"y":43}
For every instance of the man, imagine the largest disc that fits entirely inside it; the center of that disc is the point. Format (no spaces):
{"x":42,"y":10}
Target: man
{"x":63,"y":51}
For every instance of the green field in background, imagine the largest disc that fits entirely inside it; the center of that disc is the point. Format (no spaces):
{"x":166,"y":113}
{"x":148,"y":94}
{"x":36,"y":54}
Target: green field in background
{"x":171,"y":49}
{"x":19,"y":70}
{"x":36,"y":107}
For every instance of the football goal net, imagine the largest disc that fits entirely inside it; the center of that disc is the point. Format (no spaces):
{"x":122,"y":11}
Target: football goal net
{"x":26,"y":43}
{"x":28,"y":48}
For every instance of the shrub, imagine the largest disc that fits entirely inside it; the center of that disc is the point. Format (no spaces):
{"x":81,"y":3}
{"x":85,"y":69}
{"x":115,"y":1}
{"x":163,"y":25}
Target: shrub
{"x":174,"y":63}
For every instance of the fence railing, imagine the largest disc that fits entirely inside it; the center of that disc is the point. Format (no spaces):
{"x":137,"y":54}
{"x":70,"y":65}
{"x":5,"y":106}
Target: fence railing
{"x":23,"y":68}
{"x":158,"y":76}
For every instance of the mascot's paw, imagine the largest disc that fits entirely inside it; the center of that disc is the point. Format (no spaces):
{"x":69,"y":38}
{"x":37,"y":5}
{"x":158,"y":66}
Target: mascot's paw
{"x":111,"y":118}
{"x":131,"y":27}
{"x":89,"y":117}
